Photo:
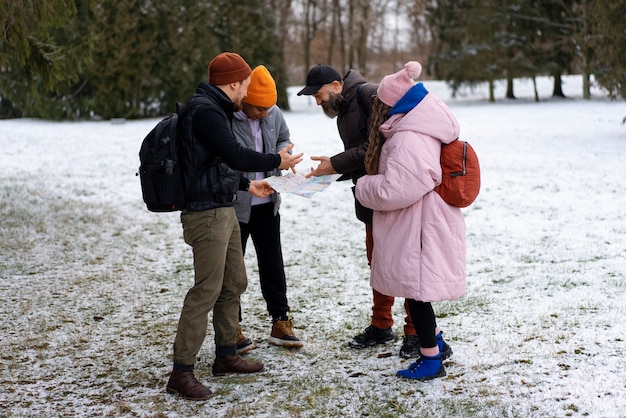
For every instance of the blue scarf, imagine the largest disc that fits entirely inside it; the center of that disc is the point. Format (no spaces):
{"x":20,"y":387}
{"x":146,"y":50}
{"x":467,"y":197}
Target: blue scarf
{"x":410,"y":99}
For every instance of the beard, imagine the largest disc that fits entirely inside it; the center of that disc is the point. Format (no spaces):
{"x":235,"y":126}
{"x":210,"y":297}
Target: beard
{"x":238,"y":105}
{"x":332,"y":106}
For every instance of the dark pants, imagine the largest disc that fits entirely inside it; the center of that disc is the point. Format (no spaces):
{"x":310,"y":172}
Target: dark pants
{"x":264,"y":228}
{"x":425,"y":324}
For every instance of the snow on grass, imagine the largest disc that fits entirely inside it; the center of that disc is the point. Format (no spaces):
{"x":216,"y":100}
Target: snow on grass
{"x":91,"y":283}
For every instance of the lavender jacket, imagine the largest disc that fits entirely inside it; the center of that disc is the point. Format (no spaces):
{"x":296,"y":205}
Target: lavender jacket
{"x":419,"y":240}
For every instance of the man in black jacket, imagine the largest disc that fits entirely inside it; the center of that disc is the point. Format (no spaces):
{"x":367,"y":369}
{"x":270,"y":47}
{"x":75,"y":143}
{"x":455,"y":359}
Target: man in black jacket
{"x":211,"y":159}
{"x":350,"y":100}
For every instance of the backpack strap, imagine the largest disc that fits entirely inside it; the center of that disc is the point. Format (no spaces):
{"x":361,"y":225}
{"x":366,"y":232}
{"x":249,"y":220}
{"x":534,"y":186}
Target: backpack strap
{"x":365,"y":112}
{"x":359,"y":92}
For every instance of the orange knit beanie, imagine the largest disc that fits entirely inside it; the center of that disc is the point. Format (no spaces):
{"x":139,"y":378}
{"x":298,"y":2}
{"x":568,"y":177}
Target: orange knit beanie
{"x":262,"y":88}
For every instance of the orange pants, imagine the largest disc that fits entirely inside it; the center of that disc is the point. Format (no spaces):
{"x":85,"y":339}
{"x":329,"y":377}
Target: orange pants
{"x":381,"y":311}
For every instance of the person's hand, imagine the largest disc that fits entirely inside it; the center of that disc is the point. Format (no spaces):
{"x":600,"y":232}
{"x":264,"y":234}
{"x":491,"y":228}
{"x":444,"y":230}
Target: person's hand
{"x":288,"y":161}
{"x":260,"y":188}
{"x":323,"y":168}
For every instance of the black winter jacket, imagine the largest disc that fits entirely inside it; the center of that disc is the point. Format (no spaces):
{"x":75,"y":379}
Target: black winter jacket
{"x":353,"y":129}
{"x":211,"y":157}
{"x":353,"y":123}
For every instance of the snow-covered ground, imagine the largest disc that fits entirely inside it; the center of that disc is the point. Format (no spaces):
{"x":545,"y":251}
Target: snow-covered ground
{"x":91,"y":283}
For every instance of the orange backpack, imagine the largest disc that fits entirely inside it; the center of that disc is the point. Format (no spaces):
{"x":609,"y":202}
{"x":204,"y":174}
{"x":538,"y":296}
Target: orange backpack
{"x":460,"y":180}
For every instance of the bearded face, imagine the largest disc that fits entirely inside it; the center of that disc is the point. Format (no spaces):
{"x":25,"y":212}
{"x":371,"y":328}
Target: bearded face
{"x":332,"y":106}
{"x":238,"y":102}
{"x":240,"y":94}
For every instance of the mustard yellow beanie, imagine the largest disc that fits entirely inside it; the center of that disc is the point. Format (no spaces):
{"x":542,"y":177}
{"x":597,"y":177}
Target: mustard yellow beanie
{"x":262,"y":88}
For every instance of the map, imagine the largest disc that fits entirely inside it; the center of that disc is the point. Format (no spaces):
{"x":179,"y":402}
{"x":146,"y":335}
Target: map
{"x":300,"y":185}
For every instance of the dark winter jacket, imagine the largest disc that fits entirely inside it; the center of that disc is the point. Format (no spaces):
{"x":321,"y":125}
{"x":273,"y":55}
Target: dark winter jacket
{"x":211,"y":157}
{"x":353,"y":123}
{"x":353,"y":130}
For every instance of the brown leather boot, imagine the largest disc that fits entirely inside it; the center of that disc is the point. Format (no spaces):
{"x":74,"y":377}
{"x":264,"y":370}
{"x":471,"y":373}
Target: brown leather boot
{"x":184,"y":384}
{"x":224,"y":365}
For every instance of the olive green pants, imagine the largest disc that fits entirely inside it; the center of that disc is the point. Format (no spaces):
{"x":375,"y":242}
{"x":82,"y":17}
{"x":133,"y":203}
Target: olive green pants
{"x":220,"y":279}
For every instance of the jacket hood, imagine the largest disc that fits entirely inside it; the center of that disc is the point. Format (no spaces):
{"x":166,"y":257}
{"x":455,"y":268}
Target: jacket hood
{"x":215,"y":93}
{"x":430,"y":117}
{"x":351,"y":82}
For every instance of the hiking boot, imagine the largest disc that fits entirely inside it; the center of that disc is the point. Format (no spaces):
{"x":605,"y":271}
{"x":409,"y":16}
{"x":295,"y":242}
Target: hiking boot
{"x":184,"y":384}
{"x":444,"y":349}
{"x":243,"y":344}
{"x":410,"y":347}
{"x":425,"y":368}
{"x":372,"y":336}
{"x":224,"y":365}
{"x":282,"y":333}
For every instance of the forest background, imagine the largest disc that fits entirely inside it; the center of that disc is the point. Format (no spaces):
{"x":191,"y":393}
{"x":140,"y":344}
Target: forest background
{"x":102,"y":59}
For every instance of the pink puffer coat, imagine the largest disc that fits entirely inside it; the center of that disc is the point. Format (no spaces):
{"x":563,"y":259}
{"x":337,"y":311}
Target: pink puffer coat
{"x":419,"y":240}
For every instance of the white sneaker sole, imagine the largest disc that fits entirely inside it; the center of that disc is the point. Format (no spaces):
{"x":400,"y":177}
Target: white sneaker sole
{"x":285,"y":343}
{"x":247,"y":348}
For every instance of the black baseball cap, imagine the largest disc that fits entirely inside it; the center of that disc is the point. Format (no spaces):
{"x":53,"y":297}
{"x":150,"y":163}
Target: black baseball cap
{"x":318,"y":76}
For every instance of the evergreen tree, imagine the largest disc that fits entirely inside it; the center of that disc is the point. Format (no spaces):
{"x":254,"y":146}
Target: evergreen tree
{"x":43,"y":50}
{"x":250,"y":28}
{"x":469,"y":42}
{"x":104,"y":59}
{"x":452,"y":51}
{"x":583,"y":35}
{"x":555,"y":49}
{"x":609,"y":43}
{"x":515,"y":42}
{"x":147,"y":56}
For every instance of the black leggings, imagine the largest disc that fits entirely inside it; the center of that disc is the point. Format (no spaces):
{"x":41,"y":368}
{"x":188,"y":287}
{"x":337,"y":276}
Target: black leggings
{"x":424,"y":322}
{"x":264,"y":228}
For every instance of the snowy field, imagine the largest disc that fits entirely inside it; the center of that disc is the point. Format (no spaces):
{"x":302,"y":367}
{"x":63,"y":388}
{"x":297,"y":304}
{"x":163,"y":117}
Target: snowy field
{"x":91,"y":283}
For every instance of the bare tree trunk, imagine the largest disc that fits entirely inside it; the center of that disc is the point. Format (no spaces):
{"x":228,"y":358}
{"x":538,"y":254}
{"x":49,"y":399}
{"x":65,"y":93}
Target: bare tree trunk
{"x":584,"y":9}
{"x":350,"y":37}
{"x":492,"y":97}
{"x":333,"y":32}
{"x":535,"y":89}
{"x":557,"y":91}
{"x":364,"y":25}
{"x":342,"y":35}
{"x":509,"y":88}
{"x":311,"y":22}
{"x":308,"y":37}
{"x":282,"y":9}
{"x":586,"y":86}
{"x":586,"y":59}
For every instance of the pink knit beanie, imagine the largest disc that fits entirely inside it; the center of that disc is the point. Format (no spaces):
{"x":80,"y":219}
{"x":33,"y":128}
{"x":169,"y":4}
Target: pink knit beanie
{"x":394,"y":86}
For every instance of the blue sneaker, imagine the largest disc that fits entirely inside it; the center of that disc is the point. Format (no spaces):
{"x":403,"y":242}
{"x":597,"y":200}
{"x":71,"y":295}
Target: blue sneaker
{"x":444,"y":349}
{"x":425,"y":368}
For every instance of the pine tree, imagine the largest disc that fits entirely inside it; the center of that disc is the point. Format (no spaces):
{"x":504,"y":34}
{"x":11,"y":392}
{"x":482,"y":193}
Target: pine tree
{"x":43,"y":50}
{"x":250,"y":28}
{"x":609,"y":44}
{"x":147,"y":56}
{"x":468,"y":42}
{"x":556,"y":50}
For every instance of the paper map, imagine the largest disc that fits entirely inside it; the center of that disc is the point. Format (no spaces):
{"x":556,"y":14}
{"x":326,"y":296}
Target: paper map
{"x":300,"y":185}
